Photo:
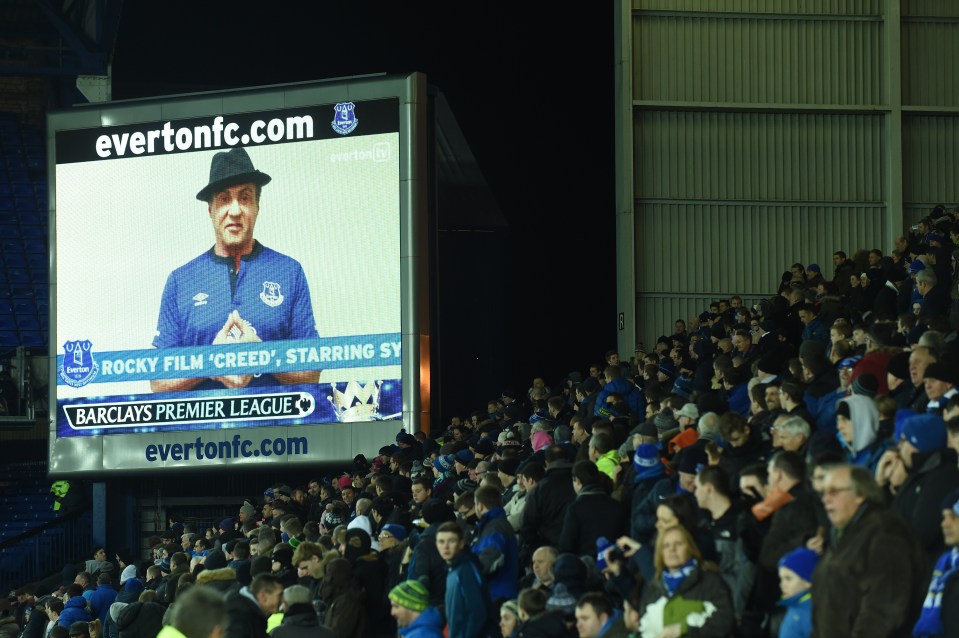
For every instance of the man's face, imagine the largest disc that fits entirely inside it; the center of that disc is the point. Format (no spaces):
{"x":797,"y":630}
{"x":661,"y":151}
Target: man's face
{"x":448,"y":545}
{"x":588,"y":624}
{"x":233,"y":212}
{"x":836,"y":260}
{"x":923,"y":287}
{"x":918,"y":361}
{"x":701,"y":492}
{"x":950,"y":528}
{"x":901,"y":244}
{"x":680,"y":327}
{"x":185,"y":542}
{"x":542,"y":563}
{"x":738,"y":438}
{"x":838,"y":497}
{"x":741,"y":343}
{"x":270,"y":600}
{"x":772,"y":398}
{"x":420,"y":494}
{"x":314,"y":488}
{"x":935,"y":388}
{"x":403,"y":615}
{"x":873,"y":259}
{"x":348,"y":495}
{"x":805,"y":316}
{"x":310,"y":567}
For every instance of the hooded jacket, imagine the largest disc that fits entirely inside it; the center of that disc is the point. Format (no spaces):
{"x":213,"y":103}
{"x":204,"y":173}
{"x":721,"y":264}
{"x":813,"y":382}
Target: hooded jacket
{"x":498,"y":552}
{"x":866,"y":447}
{"x":74,"y":610}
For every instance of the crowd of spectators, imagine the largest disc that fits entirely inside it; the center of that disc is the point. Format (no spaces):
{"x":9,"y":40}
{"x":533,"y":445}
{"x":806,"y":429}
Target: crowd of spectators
{"x":786,"y":469}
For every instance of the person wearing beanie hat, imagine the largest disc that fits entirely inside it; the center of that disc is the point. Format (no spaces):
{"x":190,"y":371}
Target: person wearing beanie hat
{"x":865,"y":385}
{"x":247,"y":513}
{"x":795,"y":582}
{"x":939,"y":382}
{"x":921,"y":473}
{"x":414,"y":617}
{"x":940,"y":611}
{"x":897,"y":379}
{"x":650,"y":486}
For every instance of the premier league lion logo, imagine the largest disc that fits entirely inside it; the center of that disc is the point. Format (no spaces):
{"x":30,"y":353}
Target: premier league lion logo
{"x":345,"y":120}
{"x":78,"y":367}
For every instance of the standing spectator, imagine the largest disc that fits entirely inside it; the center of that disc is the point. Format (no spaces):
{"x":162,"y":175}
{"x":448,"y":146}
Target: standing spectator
{"x":104,"y":596}
{"x":249,"y":608}
{"x":546,"y":504}
{"x":592,"y":514}
{"x":495,"y":545}
{"x":299,"y":617}
{"x":868,"y":581}
{"x":409,"y":606}
{"x":467,"y":605}
{"x":940,"y":611}
{"x":795,"y":580}
{"x":426,"y":564}
{"x":74,"y":607}
{"x":683,"y":594}
{"x":199,"y":613}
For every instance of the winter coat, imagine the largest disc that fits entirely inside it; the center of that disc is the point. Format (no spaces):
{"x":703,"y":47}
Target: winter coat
{"x":467,"y":612}
{"x":797,"y":621}
{"x":820,"y":398}
{"x":219,"y":579}
{"x":702,"y":603}
{"x":74,"y":610}
{"x":37,"y":625}
{"x":647,"y":493}
{"x":345,"y":614}
{"x":546,"y":506}
{"x":246,"y":619}
{"x":9,"y":627}
{"x":919,"y":499}
{"x":871,"y":581}
{"x":547,"y":624}
{"x":100,"y":601}
{"x":140,"y":620}
{"x":427,"y":567}
{"x":734,"y":566}
{"x":300,"y":621}
{"x":594,"y":513}
{"x":496,"y":548}
{"x":630,"y":393}
{"x":429,"y":624}
{"x":791,"y":526}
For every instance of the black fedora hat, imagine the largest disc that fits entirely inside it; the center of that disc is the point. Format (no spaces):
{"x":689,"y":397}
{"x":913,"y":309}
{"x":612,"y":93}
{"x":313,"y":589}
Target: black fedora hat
{"x":230,"y":168}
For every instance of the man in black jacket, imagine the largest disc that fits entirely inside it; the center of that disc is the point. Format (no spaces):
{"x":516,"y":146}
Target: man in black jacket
{"x":546,"y":504}
{"x":249,"y":608}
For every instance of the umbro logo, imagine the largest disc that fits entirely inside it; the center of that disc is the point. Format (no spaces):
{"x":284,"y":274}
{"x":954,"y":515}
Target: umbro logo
{"x":199,"y":299}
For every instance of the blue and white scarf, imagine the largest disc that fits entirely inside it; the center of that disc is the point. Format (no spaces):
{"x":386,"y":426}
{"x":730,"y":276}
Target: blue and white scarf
{"x":930,"y":620}
{"x":674,"y":578}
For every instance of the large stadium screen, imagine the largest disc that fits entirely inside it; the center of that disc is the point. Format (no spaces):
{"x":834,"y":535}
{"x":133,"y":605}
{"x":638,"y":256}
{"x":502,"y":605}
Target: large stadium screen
{"x":227,"y":287}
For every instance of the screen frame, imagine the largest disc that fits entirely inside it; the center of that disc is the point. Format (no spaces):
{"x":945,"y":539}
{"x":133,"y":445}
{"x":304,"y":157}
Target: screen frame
{"x":117,"y":454}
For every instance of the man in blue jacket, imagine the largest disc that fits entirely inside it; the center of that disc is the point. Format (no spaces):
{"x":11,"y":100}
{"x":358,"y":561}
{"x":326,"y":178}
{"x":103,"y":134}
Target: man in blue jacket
{"x":104,"y":596}
{"x":495,"y":545}
{"x":615,"y":383}
{"x":467,"y":604}
{"x":74,"y":607}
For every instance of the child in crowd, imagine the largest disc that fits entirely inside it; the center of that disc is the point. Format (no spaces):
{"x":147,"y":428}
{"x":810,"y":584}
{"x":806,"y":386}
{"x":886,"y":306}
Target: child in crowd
{"x":795,"y":582}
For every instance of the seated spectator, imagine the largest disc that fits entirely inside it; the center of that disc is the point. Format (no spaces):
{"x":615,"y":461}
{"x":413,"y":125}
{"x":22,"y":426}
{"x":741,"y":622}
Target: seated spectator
{"x":940,"y":610}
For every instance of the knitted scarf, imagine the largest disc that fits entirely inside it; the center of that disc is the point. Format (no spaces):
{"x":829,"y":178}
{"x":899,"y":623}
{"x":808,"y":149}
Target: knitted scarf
{"x":674,"y":578}
{"x":930,"y":620}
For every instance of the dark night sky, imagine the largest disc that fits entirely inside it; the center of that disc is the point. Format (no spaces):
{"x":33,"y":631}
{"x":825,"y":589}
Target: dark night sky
{"x":532,"y":89}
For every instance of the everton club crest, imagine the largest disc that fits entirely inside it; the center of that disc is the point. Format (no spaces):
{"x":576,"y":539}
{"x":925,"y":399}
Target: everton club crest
{"x":271,"y":294}
{"x":78,"y":367}
{"x":345,"y":119}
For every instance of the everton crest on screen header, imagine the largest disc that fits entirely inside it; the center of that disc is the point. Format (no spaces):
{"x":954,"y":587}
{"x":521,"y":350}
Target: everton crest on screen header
{"x":78,"y":368}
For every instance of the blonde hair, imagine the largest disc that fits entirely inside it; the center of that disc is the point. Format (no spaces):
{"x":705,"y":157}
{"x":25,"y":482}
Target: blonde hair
{"x":658,"y":554}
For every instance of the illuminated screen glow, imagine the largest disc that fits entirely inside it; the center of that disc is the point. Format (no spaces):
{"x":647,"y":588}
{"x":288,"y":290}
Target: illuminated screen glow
{"x":304,"y":331}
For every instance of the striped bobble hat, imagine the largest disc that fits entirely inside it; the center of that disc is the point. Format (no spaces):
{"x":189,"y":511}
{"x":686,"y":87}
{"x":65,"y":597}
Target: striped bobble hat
{"x":411,"y":594}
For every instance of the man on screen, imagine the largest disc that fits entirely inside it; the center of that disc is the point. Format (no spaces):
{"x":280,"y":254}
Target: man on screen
{"x":238,"y":291}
